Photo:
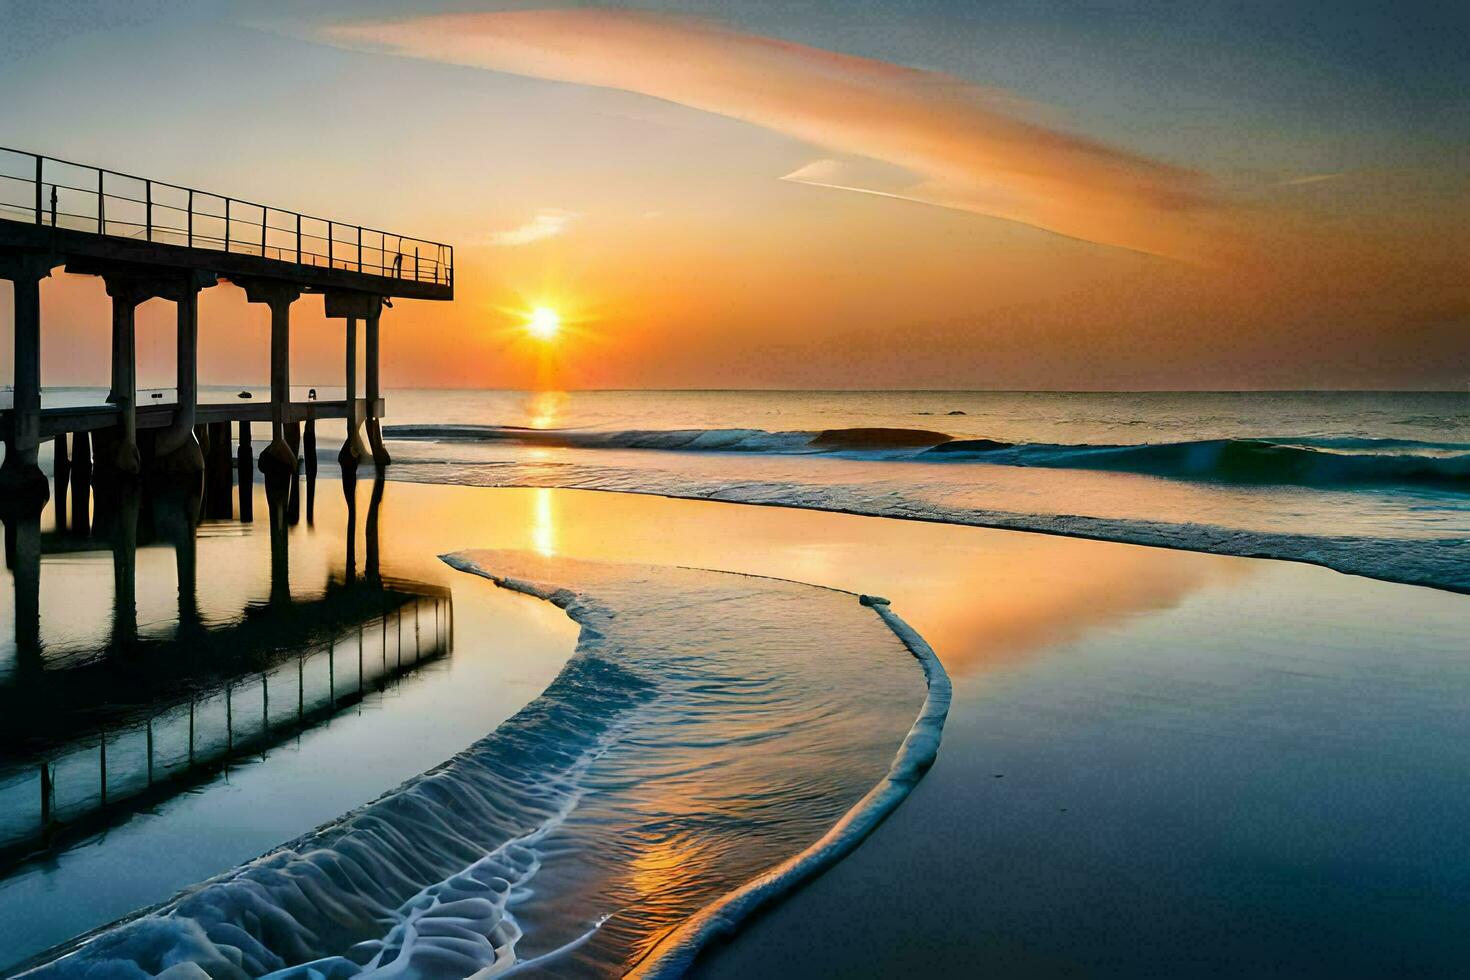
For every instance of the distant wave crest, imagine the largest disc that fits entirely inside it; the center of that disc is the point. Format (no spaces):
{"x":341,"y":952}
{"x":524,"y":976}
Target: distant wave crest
{"x":1315,"y":462}
{"x":1326,"y":461}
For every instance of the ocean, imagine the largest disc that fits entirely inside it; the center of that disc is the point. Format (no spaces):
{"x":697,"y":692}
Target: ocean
{"x":1373,"y":483}
{"x":732,"y":713}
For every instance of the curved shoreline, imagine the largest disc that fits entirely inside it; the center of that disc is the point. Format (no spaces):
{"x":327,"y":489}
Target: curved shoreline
{"x":677,"y":951}
{"x":352,"y":864}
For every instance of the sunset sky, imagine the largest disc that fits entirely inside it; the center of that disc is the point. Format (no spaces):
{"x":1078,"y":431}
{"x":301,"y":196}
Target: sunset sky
{"x":753,"y":194}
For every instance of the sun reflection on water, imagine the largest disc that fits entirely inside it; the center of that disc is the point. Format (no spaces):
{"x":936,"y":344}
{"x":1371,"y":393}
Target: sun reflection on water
{"x":543,"y":524}
{"x":544,"y":409}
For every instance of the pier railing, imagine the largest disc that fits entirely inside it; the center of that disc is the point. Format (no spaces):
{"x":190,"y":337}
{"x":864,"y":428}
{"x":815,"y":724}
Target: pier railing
{"x":56,"y":193}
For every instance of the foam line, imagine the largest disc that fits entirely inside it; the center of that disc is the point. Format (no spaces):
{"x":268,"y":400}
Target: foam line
{"x":1314,"y":461}
{"x":674,"y":955}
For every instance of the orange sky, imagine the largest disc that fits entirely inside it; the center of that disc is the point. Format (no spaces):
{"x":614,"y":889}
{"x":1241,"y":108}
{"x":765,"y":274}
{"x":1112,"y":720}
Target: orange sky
{"x":709,"y":206}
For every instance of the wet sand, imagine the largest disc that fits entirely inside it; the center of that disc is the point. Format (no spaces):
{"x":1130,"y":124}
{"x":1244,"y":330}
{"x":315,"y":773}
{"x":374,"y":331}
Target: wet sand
{"x":1155,"y":760}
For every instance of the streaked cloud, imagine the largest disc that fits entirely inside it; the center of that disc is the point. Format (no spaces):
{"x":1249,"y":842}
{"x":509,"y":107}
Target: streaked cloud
{"x":964,"y":146}
{"x":546,"y":223}
{"x":1310,"y":179}
{"x":838,"y":175}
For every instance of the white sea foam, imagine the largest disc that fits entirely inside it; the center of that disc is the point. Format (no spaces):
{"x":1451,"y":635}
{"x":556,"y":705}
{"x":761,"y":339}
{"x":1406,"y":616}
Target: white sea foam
{"x":707,"y":729}
{"x":676,"y":952}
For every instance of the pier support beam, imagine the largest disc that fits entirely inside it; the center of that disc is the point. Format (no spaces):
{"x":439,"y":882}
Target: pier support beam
{"x":277,"y":460}
{"x":374,"y":392}
{"x":353,"y":307}
{"x":219,"y":480}
{"x":353,"y":451}
{"x":81,"y":483}
{"x":177,"y":452}
{"x":245,"y":465}
{"x":130,"y":285}
{"x":122,"y":457}
{"x":21,"y":479}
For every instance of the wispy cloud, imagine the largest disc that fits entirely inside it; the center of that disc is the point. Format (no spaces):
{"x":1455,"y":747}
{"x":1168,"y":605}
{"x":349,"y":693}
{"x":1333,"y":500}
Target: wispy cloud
{"x":544,"y":224}
{"x":965,"y":146}
{"x":1310,"y":179}
{"x":834,"y":175}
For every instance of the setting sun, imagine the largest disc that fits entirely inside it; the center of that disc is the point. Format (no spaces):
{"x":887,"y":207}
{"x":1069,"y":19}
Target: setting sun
{"x":544,"y":323}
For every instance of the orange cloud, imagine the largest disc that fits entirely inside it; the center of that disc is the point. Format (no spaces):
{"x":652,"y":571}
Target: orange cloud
{"x":963,"y":145}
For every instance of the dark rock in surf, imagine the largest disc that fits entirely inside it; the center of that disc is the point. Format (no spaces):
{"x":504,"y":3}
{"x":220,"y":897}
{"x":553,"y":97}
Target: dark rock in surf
{"x":971,"y":446}
{"x":878,"y":439}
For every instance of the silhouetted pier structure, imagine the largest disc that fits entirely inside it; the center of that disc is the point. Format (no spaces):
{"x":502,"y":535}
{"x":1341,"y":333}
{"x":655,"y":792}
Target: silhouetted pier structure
{"x":129,"y":717}
{"x":147,"y":239}
{"x":84,"y":768}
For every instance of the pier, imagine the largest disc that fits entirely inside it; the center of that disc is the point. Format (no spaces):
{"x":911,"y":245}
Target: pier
{"x":120,"y":712}
{"x":151,"y":239}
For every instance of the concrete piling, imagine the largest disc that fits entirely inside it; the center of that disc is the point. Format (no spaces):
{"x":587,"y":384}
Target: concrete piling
{"x":246,"y":464}
{"x":21,"y":480}
{"x":60,"y":476}
{"x":292,"y":432}
{"x":81,"y":482}
{"x":218,"y":473}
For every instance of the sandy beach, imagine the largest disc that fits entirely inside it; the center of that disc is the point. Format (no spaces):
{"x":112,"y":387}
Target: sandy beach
{"x":1137,"y":740}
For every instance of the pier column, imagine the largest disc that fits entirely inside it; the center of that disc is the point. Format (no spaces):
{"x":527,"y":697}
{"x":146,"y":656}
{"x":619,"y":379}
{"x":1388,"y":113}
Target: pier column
{"x":123,"y":457}
{"x":81,"y":482}
{"x":352,"y":450}
{"x":219,"y":480}
{"x":60,"y":475}
{"x":245,"y":464}
{"x":352,"y":307}
{"x":177,"y":451}
{"x":374,"y":392}
{"x":20,"y":476}
{"x":277,"y":459}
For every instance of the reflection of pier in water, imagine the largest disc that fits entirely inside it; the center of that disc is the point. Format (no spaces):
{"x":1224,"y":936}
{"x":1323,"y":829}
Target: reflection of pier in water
{"x":93,"y":734}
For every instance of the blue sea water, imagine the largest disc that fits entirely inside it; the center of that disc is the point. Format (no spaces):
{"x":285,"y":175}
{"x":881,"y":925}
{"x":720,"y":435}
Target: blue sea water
{"x":1374,"y":483}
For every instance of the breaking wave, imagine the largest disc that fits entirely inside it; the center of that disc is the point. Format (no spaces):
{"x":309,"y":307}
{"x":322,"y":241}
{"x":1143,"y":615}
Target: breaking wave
{"x":1314,"y":462}
{"x":708,"y":727}
{"x":1326,"y":461}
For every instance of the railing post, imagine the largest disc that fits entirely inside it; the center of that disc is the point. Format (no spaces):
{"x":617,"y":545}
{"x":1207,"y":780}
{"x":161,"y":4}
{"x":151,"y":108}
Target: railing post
{"x":415,"y":263}
{"x":265,"y":221}
{"x":191,"y":217}
{"x":148,"y":207}
{"x":101,"y":204}
{"x":53,"y":205}
{"x":331,"y":235}
{"x":39,"y":178}
{"x":298,"y":239}
{"x":359,"y":248}
{"x":227,"y":224}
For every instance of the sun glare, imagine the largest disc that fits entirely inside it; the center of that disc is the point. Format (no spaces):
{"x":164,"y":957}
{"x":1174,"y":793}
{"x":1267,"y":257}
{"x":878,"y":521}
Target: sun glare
{"x":544,"y":323}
